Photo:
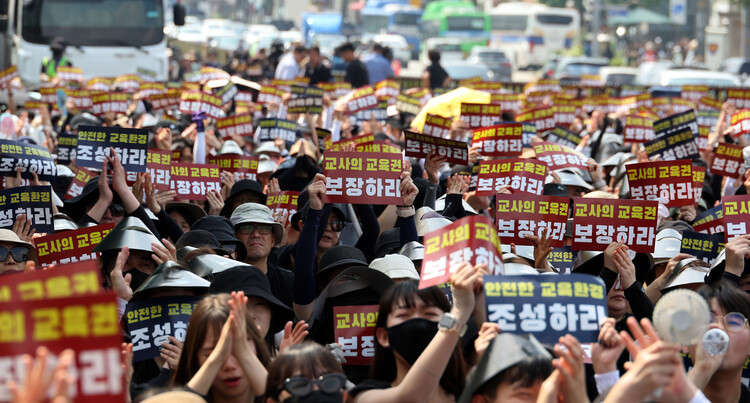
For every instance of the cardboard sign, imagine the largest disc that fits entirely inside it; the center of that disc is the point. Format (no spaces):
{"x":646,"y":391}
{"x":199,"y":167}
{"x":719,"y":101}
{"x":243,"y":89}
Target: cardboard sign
{"x":354,"y":330}
{"x":437,"y":126}
{"x":66,"y":148}
{"x":83,"y":176}
{"x":197,"y":101}
{"x":710,"y":221}
{"x":728,"y":161}
{"x":562,"y":259}
{"x":69,"y":73}
{"x":548,"y":307}
{"x":363,"y":178}
{"x":472,"y":239}
{"x":378,"y":147}
{"x":104,"y":103}
{"x":638,"y":129}
{"x":159,"y":164}
{"x":503,"y":140}
{"x":270,"y":95}
{"x":599,"y":222}
{"x":564,"y":137}
{"x":676,"y":123}
{"x":167,"y":100}
{"x":150,"y":322}
{"x":29,"y":158}
{"x":703,"y":246}
{"x":699,"y":176}
{"x":34,"y":201}
{"x":740,"y":98}
{"x":479,"y":115}
{"x":243,"y":167}
{"x":94,"y":143}
{"x":523,"y":214}
{"x":558,"y":156}
{"x":238,"y":125}
{"x":194,"y":181}
{"x":407,"y":104}
{"x":7,"y":75}
{"x":668,"y":182}
{"x":70,"y":280}
{"x":283,"y":205}
{"x":335,"y":90}
{"x":736,"y":211}
{"x":305,"y":100}
{"x":543,"y":118}
{"x":741,"y":122}
{"x":362,"y":99}
{"x":522,"y":175}
{"x":270,"y":129}
{"x":420,"y":145}
{"x":673,"y":146}
{"x":88,"y":325}
{"x":71,"y":246}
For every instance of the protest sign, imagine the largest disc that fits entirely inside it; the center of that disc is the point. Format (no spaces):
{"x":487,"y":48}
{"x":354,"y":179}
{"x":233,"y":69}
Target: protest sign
{"x":378,"y":147}
{"x":693,"y":92}
{"x":70,"y":280}
{"x":237,"y":125}
{"x":408,"y":104}
{"x":71,"y":246}
{"x":354,"y":330}
{"x":728,"y":160}
{"x":227,"y":92}
{"x":99,"y":84}
{"x":104,"y":103}
{"x":562,"y":136}
{"x":361,"y":99}
{"x":710,"y":221}
{"x":305,"y":100}
{"x":198,"y":101}
{"x":437,"y":126}
{"x":523,"y":214}
{"x":699,"y":176}
{"x":702,"y":140}
{"x":521,"y":175}
{"x":638,"y":129}
{"x":707,"y":117}
{"x":243,"y":167}
{"x":676,"y":123}
{"x":270,"y":129}
{"x":83,"y":176}
{"x":529,"y":132}
{"x":703,"y":246}
{"x":741,"y":122}
{"x":561,"y":259}
{"x":36,"y":107}
{"x":283,"y":205}
{"x":420,"y":145}
{"x":28,"y":158}
{"x":363,"y":178}
{"x":549,"y":307}
{"x":558,"y":156}
{"x":166,"y":100}
{"x":472,"y":239}
{"x":736,"y":216}
{"x":503,"y":140}
{"x":147,"y":89}
{"x":158,"y":164}
{"x":738,"y":97}
{"x":674,"y":146}
{"x":669,"y":182}
{"x":7,"y":75}
{"x":335,"y":90}
{"x":479,"y":115}
{"x":69,"y":73}
{"x":130,"y":145}
{"x":543,"y":118}
{"x":151,"y":321}
{"x":356,"y":141}
{"x":66,"y":148}
{"x":194,"y":181}
{"x":388,"y":89}
{"x":49,"y":96}
{"x":270,"y":95}
{"x":34,"y":201}
{"x":599,"y":222}
{"x":507,"y":102}
{"x":564,"y":115}
{"x":379,"y":112}
{"x":128,"y":82}
{"x":80,"y":98}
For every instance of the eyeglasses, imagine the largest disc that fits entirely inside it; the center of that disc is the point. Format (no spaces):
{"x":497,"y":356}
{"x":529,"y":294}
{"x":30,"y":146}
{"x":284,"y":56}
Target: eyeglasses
{"x":733,"y":322}
{"x":247,"y":229}
{"x":336,"y":225}
{"x":117,"y":210}
{"x":328,"y":384}
{"x":19,"y":253}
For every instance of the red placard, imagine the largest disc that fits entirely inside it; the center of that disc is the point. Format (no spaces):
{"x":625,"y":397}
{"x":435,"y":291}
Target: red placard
{"x":165,"y":100}
{"x":557,"y":156}
{"x":335,"y":90}
{"x":503,"y":140}
{"x":7,"y":75}
{"x":71,"y":246}
{"x":387,"y":88}
{"x":83,"y":176}
{"x":420,"y":145}
{"x":159,"y":163}
{"x":270,"y":95}
{"x":238,"y":125}
{"x":128,"y":82}
{"x":69,"y":73}
{"x":62,"y":281}
{"x":702,"y":140}
{"x":437,"y":126}
{"x":193,"y":181}
{"x":699,"y":176}
{"x":668,"y":182}
{"x":243,"y":167}
{"x":693,"y":92}
{"x":710,"y":221}
{"x":197,"y":101}
{"x":599,"y":222}
{"x":736,"y":211}
{"x":508,"y":102}
{"x":356,"y":141}
{"x":378,"y":147}
{"x":363,"y":178}
{"x":728,"y":160}
{"x":564,"y":115}
{"x":480,"y":115}
{"x":99,"y":84}
{"x":88,"y":325}
{"x":543,"y":118}
{"x":522,"y":175}
{"x":80,"y":98}
{"x":524,"y":214}
{"x":741,"y":122}
{"x":638,"y":129}
{"x":472,"y":239}
{"x":738,"y":97}
{"x":362,"y":99}
{"x":283,"y":205}
{"x":354,"y":330}
{"x":104,"y":103}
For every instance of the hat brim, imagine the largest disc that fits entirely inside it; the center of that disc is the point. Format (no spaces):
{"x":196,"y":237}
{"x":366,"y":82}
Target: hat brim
{"x":191,"y":212}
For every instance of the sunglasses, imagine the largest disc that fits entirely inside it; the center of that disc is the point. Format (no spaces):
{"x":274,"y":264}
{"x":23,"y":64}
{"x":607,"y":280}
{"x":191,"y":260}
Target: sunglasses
{"x":733,"y":322}
{"x":247,"y":229}
{"x":117,"y":210}
{"x":19,"y":253}
{"x":329,"y":384}
{"x":337,"y":225}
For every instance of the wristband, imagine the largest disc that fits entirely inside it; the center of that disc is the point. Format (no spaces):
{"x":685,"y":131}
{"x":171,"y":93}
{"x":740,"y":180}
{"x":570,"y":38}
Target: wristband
{"x":405,"y":211}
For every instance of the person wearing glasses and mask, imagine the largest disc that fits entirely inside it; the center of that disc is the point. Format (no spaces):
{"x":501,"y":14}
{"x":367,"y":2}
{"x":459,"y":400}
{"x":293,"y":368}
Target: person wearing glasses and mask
{"x":305,"y":372}
{"x":14,"y":253}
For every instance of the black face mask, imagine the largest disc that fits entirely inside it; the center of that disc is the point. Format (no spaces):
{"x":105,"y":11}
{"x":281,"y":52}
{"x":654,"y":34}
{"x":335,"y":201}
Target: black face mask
{"x":137,"y":278}
{"x":317,"y":396}
{"x":410,"y":338}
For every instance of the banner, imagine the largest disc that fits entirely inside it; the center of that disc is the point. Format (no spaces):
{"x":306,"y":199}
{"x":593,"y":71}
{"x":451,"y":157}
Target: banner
{"x":104,"y":103}
{"x":472,"y":239}
{"x":420,"y":145}
{"x":243,"y":167}
{"x":437,"y":126}
{"x":668,"y":182}
{"x":564,"y":137}
{"x":549,"y":307}
{"x":674,"y":146}
{"x":521,"y":175}
{"x":728,"y":161}
{"x":676,"y":123}
{"x":270,"y":129}
{"x":736,"y":211}
{"x":638,"y":129}
{"x":159,"y":164}
{"x":703,"y":246}
{"x":29,"y":158}
{"x":197,"y":101}
{"x":523,"y":214}
{"x":66,"y":148}
{"x":34,"y":201}
{"x":283,"y":205}
{"x":363,"y":178}
{"x":305,"y":100}
{"x":562,"y":259}
{"x":238,"y":125}
{"x":150,"y":322}
{"x":710,"y":221}
{"x":354,"y":330}
{"x":479,"y":115}
{"x":194,"y":181}
{"x":557,"y":156}
{"x":599,"y":222}
{"x":71,"y":246}
{"x":503,"y":140}
{"x":129,"y":144}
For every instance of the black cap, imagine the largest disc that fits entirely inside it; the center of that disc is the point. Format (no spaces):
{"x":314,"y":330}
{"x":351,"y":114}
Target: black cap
{"x":245,"y":185}
{"x":197,"y":238}
{"x":58,"y":43}
{"x":222,"y":229}
{"x":340,"y":256}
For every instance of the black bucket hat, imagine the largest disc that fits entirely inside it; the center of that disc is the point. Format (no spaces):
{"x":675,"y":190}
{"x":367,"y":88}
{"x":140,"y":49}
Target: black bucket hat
{"x":130,"y":232}
{"x":245,"y":185}
{"x":222,"y":229}
{"x":340,"y":256}
{"x":171,"y":275}
{"x":191,"y":212}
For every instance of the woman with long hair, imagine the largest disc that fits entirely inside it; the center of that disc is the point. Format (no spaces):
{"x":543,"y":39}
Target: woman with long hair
{"x":305,"y":372}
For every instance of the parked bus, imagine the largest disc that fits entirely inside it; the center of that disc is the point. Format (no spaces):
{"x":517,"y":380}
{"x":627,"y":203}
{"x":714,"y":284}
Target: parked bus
{"x":530,"y":33}
{"x":397,"y":18}
{"x":456,"y":19}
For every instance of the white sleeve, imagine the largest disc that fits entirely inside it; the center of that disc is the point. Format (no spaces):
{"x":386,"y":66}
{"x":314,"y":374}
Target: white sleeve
{"x":605,"y":382}
{"x":699,"y":397}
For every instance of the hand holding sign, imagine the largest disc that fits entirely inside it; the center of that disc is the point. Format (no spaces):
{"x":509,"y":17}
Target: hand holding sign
{"x":737,"y":250}
{"x":463,"y":281}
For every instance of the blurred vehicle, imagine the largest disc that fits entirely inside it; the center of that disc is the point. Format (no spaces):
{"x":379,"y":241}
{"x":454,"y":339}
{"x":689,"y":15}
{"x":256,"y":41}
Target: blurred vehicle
{"x":648,"y":72}
{"x":213,"y":25}
{"x":449,"y":48}
{"x":739,"y":66}
{"x":393,"y":17}
{"x":328,"y":43}
{"x":533,"y":32}
{"x":320,"y":23}
{"x":456,"y":19}
{"x":398,"y":45}
{"x":283,"y":25}
{"x":226,"y":40}
{"x":259,"y":30}
{"x":291,"y":37}
{"x":698,"y":77}
{"x":570,"y":69}
{"x":548,"y":70}
{"x":260,"y":36}
{"x":618,"y":75}
{"x":496,"y":59}
{"x":191,"y":32}
{"x":461,"y":70}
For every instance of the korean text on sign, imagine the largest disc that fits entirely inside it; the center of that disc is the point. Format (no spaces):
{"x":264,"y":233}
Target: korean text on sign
{"x":472,"y":239}
{"x":71,"y":246}
{"x":669,"y":182}
{"x":741,"y":122}
{"x":728,"y":160}
{"x":736,"y":210}
{"x":480,"y":115}
{"x":238,"y":125}
{"x":564,"y":137}
{"x":710,"y":221}
{"x":29,"y":158}
{"x":558,"y":156}
{"x":420,"y":145}
{"x":283,"y":205}
{"x":362,"y":99}
{"x":543,"y":118}
{"x":437,"y":126}
{"x":562,"y":259}
{"x":357,"y":141}
{"x":270,"y":129}
{"x":638,"y":129}
{"x":102,"y":104}
{"x":521,"y":175}
{"x":407,"y":104}
{"x":159,"y":165}
{"x":70,"y":280}
{"x":34,"y":201}
{"x":673,"y":146}
{"x":703,"y":246}
{"x":194,"y":181}
{"x":7,"y":75}
{"x":522,"y":214}
{"x":676,"y":123}
{"x":599,"y":222}
{"x":130,"y":145}
{"x":150,"y":322}
{"x":241,"y":166}
{"x":83,"y":176}
{"x":548,"y":307}
{"x":354,"y":330}
{"x":363,"y":178}
{"x":503,"y":140}
{"x":305,"y":100}
{"x":197,"y":101}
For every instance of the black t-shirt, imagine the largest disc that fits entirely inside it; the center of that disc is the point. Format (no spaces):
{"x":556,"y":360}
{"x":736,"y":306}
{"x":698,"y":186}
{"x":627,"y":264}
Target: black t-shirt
{"x":437,"y":75}
{"x":744,"y":394}
{"x":356,"y":74}
{"x":282,"y":283}
{"x":318,"y":74}
{"x":368,"y":384}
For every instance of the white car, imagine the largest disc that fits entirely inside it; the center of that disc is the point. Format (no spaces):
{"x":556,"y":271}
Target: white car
{"x":449,"y":48}
{"x":698,"y":77}
{"x":618,"y":75}
{"x":398,"y":44}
